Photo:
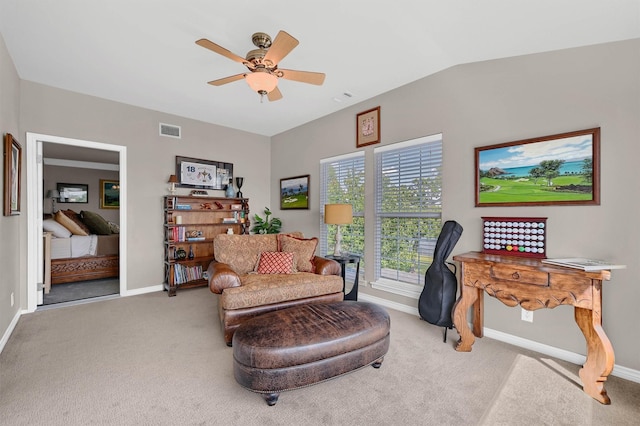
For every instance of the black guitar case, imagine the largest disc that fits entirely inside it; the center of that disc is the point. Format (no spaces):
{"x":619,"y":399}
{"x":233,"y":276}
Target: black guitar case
{"x":440,"y":283}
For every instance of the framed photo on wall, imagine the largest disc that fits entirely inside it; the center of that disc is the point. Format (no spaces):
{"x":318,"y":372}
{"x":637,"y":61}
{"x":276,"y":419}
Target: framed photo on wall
{"x":109,"y":194}
{"x":202,"y":174}
{"x":562,"y":169}
{"x":294,"y":193}
{"x":368,"y":127}
{"x":73,"y":192}
{"x":12,"y":173}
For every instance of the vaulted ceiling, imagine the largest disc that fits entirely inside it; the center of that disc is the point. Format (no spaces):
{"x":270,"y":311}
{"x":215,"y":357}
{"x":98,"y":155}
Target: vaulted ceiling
{"x":143,"y":52}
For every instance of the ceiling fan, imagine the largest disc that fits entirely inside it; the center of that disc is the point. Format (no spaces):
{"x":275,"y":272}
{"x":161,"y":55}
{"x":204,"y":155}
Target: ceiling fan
{"x":263,"y":64}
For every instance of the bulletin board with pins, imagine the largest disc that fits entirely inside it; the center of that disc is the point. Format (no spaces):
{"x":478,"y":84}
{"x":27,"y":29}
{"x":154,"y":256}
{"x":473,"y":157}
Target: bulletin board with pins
{"x":515,"y":236}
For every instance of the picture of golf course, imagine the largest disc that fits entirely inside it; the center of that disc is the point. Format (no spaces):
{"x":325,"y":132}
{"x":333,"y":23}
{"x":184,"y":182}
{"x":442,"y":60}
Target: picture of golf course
{"x":294,"y":193}
{"x":550,"y":171}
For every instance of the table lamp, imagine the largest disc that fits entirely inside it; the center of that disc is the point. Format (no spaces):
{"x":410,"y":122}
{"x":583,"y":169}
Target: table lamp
{"x":338,"y":214}
{"x":173,"y":179}
{"x":53,"y":194}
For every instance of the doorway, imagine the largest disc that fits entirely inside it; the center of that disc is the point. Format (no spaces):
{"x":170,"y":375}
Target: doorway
{"x":36,"y":192}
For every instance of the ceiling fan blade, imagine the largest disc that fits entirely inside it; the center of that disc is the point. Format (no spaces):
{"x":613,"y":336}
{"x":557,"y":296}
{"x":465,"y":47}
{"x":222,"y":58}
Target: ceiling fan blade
{"x":220,"y":50}
{"x":226,"y":80}
{"x":281,"y":46}
{"x":316,"y":78}
{"x":274,"y":95}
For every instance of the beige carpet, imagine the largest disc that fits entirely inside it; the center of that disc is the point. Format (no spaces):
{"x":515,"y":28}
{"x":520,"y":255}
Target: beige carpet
{"x":559,"y":390}
{"x":155,"y":360}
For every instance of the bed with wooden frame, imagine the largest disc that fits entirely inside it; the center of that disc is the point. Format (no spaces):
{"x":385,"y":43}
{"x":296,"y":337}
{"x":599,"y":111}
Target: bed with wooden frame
{"x":65,"y":268}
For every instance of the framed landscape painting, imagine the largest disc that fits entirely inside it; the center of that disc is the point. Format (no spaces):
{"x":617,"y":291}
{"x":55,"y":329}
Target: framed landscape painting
{"x":294,"y":193}
{"x":109,"y":194}
{"x":561,"y":169}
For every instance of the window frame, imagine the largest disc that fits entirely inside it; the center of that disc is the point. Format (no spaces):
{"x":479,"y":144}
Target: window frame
{"x":349,"y":231}
{"x":432,"y":146}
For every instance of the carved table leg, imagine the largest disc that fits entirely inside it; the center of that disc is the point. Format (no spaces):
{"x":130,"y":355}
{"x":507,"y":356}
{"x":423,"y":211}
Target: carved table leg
{"x":600,"y":357}
{"x":468,"y":296}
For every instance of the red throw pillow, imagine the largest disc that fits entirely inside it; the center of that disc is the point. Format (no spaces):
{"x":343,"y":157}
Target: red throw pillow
{"x":275,"y":262}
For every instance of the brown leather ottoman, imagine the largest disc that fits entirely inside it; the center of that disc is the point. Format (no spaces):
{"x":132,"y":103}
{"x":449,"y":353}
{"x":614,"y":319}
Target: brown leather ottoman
{"x":299,"y":346}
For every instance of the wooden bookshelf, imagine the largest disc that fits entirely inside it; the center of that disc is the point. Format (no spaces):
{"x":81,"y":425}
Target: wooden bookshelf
{"x":190,"y":225}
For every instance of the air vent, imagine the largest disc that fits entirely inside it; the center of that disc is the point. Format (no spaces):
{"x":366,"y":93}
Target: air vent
{"x":170,"y":130}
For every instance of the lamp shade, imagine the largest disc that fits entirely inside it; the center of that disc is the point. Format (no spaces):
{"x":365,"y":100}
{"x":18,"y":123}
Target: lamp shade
{"x":53,"y":193}
{"x":338,"y":214}
{"x":261,"y":81}
{"x":173,"y":179}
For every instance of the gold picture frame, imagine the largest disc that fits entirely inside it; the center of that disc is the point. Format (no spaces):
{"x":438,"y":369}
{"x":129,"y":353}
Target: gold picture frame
{"x":12,"y":173}
{"x":368,"y":127}
{"x":109,"y":194}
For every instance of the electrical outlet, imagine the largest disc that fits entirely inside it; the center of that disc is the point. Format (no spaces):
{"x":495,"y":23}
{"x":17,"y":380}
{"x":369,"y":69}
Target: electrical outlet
{"x":12,"y":300}
{"x":526,"y":315}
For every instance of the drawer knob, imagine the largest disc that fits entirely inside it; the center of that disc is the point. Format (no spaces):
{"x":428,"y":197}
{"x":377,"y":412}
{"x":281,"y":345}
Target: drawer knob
{"x":515,"y":276}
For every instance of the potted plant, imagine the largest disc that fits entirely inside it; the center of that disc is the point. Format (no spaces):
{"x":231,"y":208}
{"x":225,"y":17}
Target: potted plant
{"x":266,"y":225}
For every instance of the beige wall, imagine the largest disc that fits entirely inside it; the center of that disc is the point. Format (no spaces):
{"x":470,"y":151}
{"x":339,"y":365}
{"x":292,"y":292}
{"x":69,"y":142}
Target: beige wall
{"x":150,"y":159}
{"x":472,"y":105}
{"x":12,"y":228}
{"x":91,"y":177}
{"x":500,"y":101}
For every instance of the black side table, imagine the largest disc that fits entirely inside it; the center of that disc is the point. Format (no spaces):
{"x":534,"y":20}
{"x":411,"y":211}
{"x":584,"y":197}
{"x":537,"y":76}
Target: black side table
{"x":343,"y":260}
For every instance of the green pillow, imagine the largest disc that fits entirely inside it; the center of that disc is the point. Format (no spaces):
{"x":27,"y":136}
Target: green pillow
{"x":96,"y":223}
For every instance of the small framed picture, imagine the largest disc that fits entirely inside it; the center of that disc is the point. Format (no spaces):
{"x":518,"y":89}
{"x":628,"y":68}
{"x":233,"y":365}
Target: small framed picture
{"x":109,"y":194}
{"x":368,"y":127}
{"x":73,"y":193}
{"x":294,"y":193}
{"x":12,"y":172}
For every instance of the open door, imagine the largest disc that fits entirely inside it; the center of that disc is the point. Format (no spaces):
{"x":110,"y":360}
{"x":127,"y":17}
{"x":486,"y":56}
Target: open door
{"x":35,"y":209}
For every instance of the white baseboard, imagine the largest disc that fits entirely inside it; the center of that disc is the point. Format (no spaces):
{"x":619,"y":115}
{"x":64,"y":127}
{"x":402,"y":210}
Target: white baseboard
{"x":144,"y":290}
{"x":9,"y":330}
{"x":572,"y":357}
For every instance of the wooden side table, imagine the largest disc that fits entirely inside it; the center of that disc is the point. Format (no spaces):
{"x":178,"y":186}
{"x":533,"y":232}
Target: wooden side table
{"x":535,"y":285}
{"x":343,"y":261}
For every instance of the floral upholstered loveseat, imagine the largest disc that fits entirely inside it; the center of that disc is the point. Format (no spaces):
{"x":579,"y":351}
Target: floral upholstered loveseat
{"x":255,"y":274}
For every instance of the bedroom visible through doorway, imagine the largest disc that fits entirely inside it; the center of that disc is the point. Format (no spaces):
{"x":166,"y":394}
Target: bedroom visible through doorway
{"x":78,"y":270}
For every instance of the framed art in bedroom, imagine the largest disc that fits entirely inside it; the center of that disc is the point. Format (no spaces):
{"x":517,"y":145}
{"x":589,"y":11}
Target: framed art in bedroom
{"x":73,"y":193}
{"x":109,"y":194}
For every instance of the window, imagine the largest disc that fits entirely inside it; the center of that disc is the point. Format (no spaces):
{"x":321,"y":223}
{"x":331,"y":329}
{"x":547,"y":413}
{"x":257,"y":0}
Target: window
{"x":342,"y":181}
{"x":408,"y":212}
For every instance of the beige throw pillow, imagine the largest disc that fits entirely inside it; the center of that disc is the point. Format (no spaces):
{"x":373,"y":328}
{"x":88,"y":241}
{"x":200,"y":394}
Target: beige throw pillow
{"x":303,"y":249}
{"x":65,"y":221}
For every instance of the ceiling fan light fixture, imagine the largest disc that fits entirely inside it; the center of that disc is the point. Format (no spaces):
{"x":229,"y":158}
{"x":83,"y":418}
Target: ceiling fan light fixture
{"x":261,"y":81}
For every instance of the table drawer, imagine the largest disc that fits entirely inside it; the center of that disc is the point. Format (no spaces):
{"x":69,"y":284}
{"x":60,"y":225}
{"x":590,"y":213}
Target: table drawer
{"x":522,"y":276}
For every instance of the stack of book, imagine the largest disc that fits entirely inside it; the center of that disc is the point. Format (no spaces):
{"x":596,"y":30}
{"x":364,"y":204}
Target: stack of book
{"x":178,"y":233}
{"x":185,"y":274}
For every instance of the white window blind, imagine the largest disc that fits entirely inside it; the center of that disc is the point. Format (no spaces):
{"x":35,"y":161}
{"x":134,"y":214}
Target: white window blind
{"x":342,"y":181}
{"x":408,"y":212}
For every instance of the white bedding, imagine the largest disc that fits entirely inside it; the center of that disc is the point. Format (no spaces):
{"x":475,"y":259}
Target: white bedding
{"x":76,"y":246}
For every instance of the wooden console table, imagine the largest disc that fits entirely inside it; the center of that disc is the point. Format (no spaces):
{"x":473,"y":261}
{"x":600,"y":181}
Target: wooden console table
{"x":534,"y":285}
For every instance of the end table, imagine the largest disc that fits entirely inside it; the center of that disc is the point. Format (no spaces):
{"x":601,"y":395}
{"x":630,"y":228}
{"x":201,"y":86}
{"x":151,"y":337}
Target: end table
{"x":343,"y":261}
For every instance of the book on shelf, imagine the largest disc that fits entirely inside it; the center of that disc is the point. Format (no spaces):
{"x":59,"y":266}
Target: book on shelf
{"x":229,"y":220}
{"x":183,"y":274}
{"x":584,"y":264}
{"x":183,"y":207}
{"x":195,"y":238}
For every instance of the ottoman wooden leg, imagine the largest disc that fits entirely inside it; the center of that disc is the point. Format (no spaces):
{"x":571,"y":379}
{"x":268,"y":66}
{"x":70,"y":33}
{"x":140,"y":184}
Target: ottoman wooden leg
{"x":377,"y":363}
